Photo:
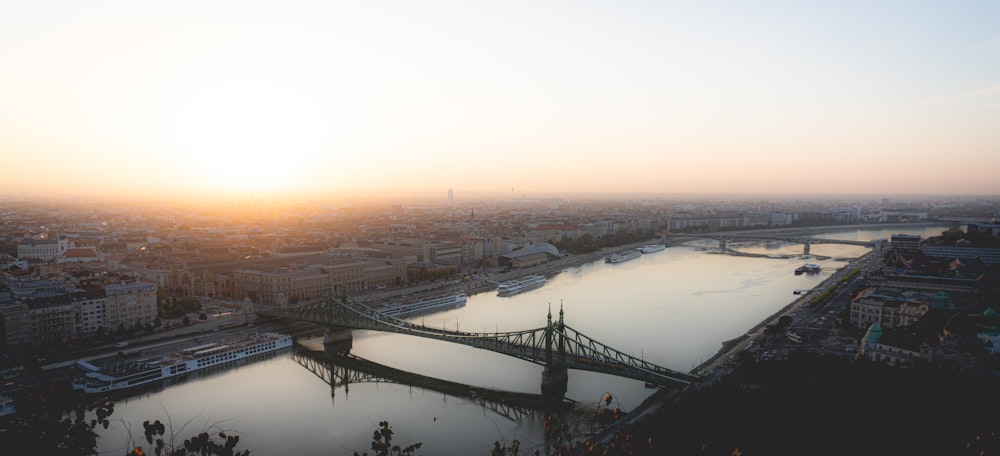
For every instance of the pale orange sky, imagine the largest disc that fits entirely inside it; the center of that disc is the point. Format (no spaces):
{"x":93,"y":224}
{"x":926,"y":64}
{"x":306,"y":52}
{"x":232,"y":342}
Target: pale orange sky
{"x":325,"y":96}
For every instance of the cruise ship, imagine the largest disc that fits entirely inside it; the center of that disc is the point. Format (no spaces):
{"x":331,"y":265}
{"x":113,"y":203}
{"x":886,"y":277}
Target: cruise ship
{"x":518,"y":285}
{"x":430,"y":305}
{"x":622,"y":256}
{"x":652,"y":248}
{"x":135,"y":373}
{"x":808,"y":268}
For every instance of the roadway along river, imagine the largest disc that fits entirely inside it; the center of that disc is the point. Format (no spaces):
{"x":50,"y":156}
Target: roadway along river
{"x":673,"y":308}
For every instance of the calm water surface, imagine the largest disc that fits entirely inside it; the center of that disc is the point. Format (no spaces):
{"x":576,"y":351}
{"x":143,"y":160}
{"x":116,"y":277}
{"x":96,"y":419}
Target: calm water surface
{"x":673,"y":308}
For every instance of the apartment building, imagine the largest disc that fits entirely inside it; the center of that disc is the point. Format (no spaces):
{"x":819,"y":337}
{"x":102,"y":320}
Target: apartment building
{"x":37,"y":321}
{"x":905,"y":243}
{"x":130,"y":303}
{"x":677,"y":224}
{"x":89,"y":306}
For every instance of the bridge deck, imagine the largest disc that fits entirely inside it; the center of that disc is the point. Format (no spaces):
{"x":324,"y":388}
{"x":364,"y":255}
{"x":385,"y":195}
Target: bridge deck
{"x":554,"y":345}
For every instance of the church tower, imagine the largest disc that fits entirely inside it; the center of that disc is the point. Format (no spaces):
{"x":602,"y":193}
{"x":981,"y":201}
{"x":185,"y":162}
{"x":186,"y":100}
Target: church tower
{"x":63,"y":242}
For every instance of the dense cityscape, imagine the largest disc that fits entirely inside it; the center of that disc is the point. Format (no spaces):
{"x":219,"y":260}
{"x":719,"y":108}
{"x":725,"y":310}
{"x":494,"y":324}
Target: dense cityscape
{"x":499,"y":228}
{"x":97,"y":279}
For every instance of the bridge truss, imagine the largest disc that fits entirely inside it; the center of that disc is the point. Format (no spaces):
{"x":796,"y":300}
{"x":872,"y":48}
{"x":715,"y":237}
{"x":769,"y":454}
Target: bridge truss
{"x":556,"y":345}
{"x":788,"y":239}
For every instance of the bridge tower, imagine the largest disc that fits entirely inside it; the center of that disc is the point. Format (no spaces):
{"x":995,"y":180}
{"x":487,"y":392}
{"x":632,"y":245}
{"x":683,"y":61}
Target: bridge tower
{"x":555,"y":378}
{"x":337,"y":337}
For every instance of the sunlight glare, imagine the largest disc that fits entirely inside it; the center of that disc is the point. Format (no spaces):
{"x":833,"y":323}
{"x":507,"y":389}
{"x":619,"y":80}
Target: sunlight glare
{"x":249,"y":136}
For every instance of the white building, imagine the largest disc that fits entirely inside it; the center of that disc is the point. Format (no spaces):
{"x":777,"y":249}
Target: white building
{"x":42,"y":249}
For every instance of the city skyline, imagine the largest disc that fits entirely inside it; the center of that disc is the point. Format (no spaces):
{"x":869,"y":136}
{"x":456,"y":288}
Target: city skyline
{"x":236,"y":99}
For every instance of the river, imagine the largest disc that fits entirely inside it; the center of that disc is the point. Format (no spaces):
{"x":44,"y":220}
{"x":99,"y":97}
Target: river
{"x":673,"y":308}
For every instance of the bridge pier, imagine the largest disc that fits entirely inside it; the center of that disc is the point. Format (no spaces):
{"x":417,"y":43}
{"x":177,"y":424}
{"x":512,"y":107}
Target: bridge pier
{"x":722,"y":244}
{"x":805,"y":250}
{"x":337,"y":336}
{"x":555,"y":381}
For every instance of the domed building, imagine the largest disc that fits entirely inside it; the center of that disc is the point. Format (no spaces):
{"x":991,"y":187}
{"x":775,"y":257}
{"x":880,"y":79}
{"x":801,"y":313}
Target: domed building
{"x":894,"y":348}
{"x":872,"y":336}
{"x":531,"y":255}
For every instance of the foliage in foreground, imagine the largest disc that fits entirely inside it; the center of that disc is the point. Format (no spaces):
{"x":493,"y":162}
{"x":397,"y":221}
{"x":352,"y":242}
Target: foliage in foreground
{"x":59,"y":421}
{"x":382,"y":443}
{"x":202,"y":444}
{"x":808,"y":404}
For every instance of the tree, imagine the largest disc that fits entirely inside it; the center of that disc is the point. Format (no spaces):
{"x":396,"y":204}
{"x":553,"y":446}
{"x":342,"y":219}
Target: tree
{"x":382,"y":443}
{"x":203,"y":443}
{"x":64,"y":421}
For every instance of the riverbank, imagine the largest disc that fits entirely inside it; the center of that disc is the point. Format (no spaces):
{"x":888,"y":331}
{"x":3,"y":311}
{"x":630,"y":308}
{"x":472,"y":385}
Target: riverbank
{"x":489,"y":280}
{"x":711,"y":368}
{"x":733,"y":346}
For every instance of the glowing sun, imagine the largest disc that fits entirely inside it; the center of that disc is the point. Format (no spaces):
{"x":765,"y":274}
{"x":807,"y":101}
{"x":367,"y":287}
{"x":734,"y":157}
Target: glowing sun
{"x":249,"y":137}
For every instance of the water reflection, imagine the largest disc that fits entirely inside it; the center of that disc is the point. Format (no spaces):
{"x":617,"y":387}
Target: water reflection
{"x":337,"y":367}
{"x":673,"y":308}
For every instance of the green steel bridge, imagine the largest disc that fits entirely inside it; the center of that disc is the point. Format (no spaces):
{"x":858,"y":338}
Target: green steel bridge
{"x":556,"y":346}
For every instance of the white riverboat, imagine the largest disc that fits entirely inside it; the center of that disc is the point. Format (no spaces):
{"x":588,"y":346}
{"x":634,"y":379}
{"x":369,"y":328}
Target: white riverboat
{"x":430,"y":305}
{"x":515,"y":286}
{"x":652,"y":248}
{"x":622,"y":256}
{"x":135,"y":373}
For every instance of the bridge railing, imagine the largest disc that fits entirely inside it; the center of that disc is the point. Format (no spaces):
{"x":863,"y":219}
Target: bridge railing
{"x":523,"y":337}
{"x":585,"y":349}
{"x":554,"y":343}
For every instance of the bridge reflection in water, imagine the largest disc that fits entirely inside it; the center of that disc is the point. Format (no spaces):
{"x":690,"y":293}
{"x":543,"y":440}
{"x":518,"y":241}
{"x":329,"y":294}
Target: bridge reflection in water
{"x":556,"y":346}
{"x":339,"y":368}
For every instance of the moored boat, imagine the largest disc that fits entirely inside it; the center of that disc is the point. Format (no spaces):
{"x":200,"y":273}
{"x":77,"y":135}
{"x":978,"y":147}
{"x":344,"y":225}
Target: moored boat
{"x":652,"y":248}
{"x":808,"y":268}
{"x":141,"y":372}
{"x":518,"y":285}
{"x":430,"y":305}
{"x":624,"y":255}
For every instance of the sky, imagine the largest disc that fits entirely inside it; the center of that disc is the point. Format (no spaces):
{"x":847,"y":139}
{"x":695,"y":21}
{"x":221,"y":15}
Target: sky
{"x":520,"y":97}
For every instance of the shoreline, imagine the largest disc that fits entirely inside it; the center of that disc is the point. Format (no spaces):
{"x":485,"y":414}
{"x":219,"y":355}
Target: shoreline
{"x":491,"y":279}
{"x":707,"y":369}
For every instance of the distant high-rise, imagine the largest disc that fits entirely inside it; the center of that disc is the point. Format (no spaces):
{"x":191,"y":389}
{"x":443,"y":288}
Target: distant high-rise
{"x":451,"y":197}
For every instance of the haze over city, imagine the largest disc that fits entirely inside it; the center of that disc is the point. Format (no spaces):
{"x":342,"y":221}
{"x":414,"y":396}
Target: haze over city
{"x":238,"y":98}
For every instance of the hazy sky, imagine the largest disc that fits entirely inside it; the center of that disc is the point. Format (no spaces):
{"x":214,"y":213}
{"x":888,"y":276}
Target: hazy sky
{"x":484,"y":96}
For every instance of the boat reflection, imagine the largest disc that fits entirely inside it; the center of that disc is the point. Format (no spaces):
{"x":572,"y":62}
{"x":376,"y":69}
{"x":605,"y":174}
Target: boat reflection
{"x":340,"y":369}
